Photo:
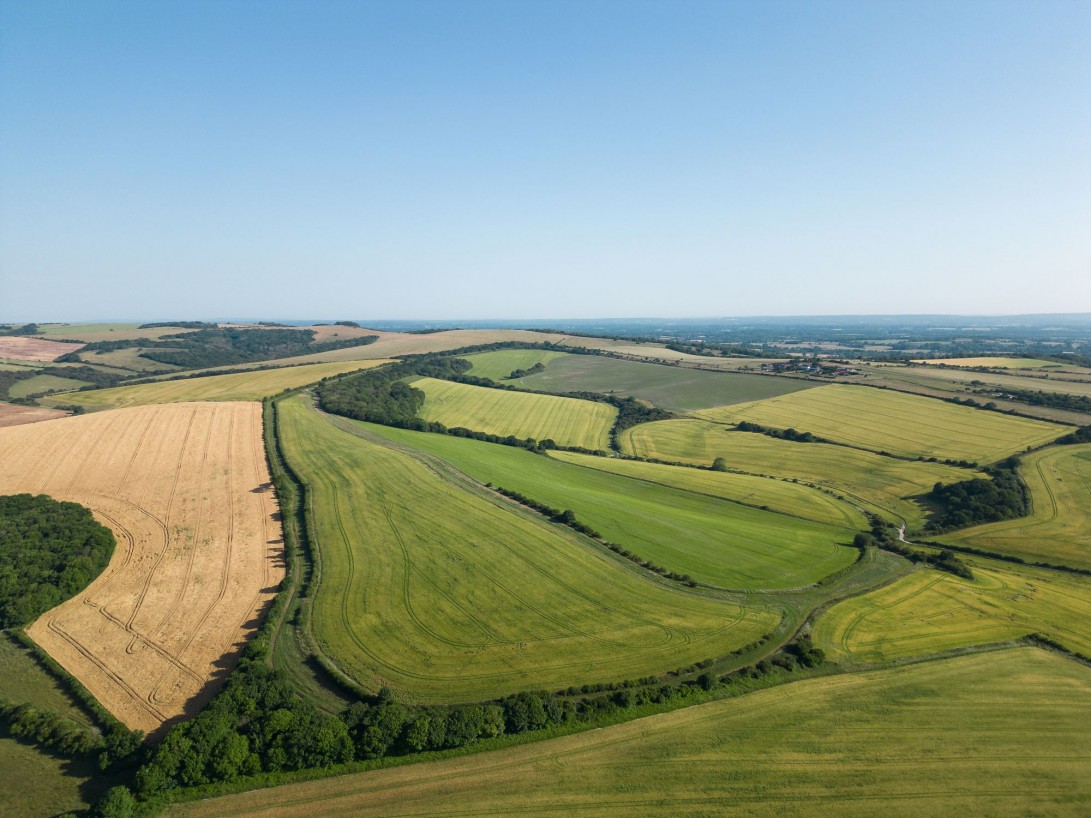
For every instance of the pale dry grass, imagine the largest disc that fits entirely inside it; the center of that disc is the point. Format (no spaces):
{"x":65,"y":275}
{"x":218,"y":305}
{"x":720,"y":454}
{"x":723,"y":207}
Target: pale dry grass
{"x":21,"y":348}
{"x":185,"y":489}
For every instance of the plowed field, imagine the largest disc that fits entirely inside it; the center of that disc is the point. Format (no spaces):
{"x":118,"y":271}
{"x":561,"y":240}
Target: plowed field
{"x":185,"y":489}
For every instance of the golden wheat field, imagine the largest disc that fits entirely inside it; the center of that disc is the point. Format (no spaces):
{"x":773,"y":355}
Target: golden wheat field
{"x":185,"y":489}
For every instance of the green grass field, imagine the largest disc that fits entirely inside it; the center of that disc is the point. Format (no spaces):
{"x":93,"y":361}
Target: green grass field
{"x":103,"y":332}
{"x":22,"y":680}
{"x":567,"y":421}
{"x":930,"y":611}
{"x":499,"y":364}
{"x":781,"y":496}
{"x":449,"y":594}
{"x":240,"y":386}
{"x":1000,"y":734}
{"x":715,"y":541}
{"x":1001,"y":381}
{"x":878,"y":483}
{"x":884,"y":420}
{"x":127,"y":360}
{"x":42,"y":383}
{"x":670,"y":387}
{"x":1058,"y":529}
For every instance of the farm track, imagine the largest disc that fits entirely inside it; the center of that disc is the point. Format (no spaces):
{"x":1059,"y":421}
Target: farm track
{"x":184,"y":488}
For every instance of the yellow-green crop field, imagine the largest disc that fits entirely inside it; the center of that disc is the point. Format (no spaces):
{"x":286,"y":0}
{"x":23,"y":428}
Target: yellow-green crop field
{"x":883,"y":420}
{"x":931,"y":611}
{"x":452,"y":595}
{"x":1058,"y":529}
{"x":777,"y":495}
{"x":996,"y":362}
{"x":568,"y":421}
{"x":500,"y":363}
{"x":43,"y":383}
{"x":878,"y":483}
{"x":239,"y":386}
{"x":1000,"y":734}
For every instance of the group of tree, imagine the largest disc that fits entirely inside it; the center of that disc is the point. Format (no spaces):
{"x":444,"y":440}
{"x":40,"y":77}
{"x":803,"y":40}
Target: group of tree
{"x":515,"y":374}
{"x":1081,"y":435}
{"x":1001,"y":495}
{"x":49,"y":551}
{"x":780,"y":434}
{"x":886,"y":536}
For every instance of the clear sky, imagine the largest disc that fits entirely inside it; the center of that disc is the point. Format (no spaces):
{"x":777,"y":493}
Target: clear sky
{"x":515,"y":159}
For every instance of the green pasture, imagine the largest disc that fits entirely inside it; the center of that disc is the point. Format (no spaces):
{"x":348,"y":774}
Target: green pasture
{"x":930,"y":611}
{"x":782,"y":496}
{"x":567,"y":421}
{"x":678,"y":389}
{"x":878,"y":483}
{"x":996,"y":362}
{"x":43,"y":383}
{"x":1058,"y":529}
{"x":448,"y":593}
{"x":883,"y":420}
{"x":721,"y":543}
{"x":497,"y":365}
{"x":999,"y":734}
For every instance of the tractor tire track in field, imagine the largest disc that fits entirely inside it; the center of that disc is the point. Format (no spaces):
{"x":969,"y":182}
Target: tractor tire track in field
{"x":156,"y":477}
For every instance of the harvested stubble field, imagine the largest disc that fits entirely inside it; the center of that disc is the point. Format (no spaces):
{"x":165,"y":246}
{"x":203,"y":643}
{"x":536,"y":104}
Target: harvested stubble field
{"x":679,"y":389}
{"x":1058,"y":529}
{"x":13,"y":415}
{"x":879,"y":483}
{"x":568,"y":421}
{"x":241,"y":386}
{"x":22,"y":348}
{"x":931,"y":611}
{"x":1001,"y":734}
{"x":883,"y":420}
{"x":185,"y":489}
{"x":451,"y":594}
{"x":721,"y":543}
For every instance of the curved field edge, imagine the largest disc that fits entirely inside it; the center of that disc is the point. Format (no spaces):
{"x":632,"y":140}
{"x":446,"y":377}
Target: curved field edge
{"x":889,"y":486}
{"x":449,"y":595}
{"x":238,"y":386}
{"x":567,"y":421}
{"x":927,"y":612}
{"x":723,"y":544}
{"x":185,"y":491}
{"x":883,"y":420}
{"x":1057,"y":529}
{"x":818,"y":746}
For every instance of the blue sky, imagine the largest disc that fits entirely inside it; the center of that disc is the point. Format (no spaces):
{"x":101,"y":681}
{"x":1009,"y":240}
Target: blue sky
{"x":524,"y":159}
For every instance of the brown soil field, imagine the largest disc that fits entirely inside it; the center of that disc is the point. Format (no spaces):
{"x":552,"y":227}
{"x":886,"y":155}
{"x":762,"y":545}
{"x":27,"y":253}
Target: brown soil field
{"x":185,"y":489}
{"x":22,"y":348}
{"x":12,"y":415}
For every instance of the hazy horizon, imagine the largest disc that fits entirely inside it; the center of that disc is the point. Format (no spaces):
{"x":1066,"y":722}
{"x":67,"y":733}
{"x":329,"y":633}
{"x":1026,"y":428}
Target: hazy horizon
{"x":409,"y":160}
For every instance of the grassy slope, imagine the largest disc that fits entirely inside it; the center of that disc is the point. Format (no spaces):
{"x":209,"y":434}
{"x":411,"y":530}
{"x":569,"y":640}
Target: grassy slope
{"x":1058,"y":529}
{"x":23,"y":680}
{"x":781,"y":496}
{"x":449,"y":595}
{"x":568,"y":421}
{"x":930,"y":611}
{"x":996,"y":734}
{"x":669,"y":387}
{"x":714,"y":541}
{"x":879,"y":481}
{"x":499,"y":364}
{"x":43,"y":383}
{"x":884,"y":420}
{"x":240,"y":386}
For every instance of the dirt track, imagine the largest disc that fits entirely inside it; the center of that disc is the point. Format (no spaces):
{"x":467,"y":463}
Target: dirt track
{"x":185,"y":488}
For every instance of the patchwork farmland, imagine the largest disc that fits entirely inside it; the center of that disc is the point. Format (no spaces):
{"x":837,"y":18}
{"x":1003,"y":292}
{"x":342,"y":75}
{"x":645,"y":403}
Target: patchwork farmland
{"x":487,"y":600}
{"x":887,"y":421}
{"x":185,"y":489}
{"x":442,"y":594}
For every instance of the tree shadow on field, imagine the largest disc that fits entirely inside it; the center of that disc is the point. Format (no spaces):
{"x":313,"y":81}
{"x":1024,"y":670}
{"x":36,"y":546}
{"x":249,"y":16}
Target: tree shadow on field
{"x":262,"y":489}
